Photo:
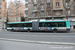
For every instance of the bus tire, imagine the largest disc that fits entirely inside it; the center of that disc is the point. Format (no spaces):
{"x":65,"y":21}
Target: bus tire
{"x":28,"y":30}
{"x":12,"y":30}
{"x":67,"y":31}
{"x":55,"y":30}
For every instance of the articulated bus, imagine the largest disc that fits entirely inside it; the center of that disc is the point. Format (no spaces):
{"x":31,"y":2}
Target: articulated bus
{"x":54,"y":26}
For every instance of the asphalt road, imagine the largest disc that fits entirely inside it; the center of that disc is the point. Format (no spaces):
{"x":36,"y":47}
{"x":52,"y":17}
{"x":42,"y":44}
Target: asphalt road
{"x":10,"y":45}
{"x":39,"y":36}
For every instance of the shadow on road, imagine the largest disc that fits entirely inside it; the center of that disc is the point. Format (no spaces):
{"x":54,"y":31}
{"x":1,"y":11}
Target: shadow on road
{"x":40,"y":31}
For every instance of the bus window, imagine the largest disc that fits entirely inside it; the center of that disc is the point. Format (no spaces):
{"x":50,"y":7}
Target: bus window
{"x":19,"y":25}
{"x":41,"y":24}
{"x":27,"y":24}
{"x":62,"y":24}
{"x":47,"y":24}
{"x":54,"y":24}
{"x":8,"y":25}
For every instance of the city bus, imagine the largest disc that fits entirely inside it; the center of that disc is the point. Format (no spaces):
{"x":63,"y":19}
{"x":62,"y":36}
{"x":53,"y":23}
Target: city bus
{"x":53,"y":25}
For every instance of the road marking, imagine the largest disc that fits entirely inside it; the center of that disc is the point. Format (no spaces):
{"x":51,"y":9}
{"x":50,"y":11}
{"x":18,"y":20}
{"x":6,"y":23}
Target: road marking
{"x":38,"y":42}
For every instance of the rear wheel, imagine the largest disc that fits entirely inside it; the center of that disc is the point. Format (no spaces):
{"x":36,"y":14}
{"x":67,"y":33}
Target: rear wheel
{"x":67,"y":31}
{"x":28,"y":30}
{"x":55,"y":30}
{"x":12,"y":30}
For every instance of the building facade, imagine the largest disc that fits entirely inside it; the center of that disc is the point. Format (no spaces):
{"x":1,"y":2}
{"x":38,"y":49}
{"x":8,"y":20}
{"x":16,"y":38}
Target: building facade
{"x":31,"y":10}
{"x":50,"y":9}
{"x":0,"y":15}
{"x":3,"y":13}
{"x":15,"y":11}
{"x":58,"y":8}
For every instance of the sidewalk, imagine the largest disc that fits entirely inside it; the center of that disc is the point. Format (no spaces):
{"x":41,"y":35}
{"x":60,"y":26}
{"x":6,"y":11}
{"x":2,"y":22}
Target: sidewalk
{"x":3,"y":29}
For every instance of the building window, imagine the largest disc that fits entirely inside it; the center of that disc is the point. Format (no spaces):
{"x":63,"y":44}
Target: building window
{"x":26,"y":6}
{"x":42,"y":6}
{"x":35,"y":7}
{"x":0,"y":1}
{"x":33,"y":15}
{"x":42,"y":1}
{"x":74,"y":6}
{"x":26,"y":0}
{"x":69,"y":12}
{"x":48,"y":5}
{"x":42,"y":13}
{"x":0,"y":6}
{"x":35,"y":0}
{"x":48,"y":13}
{"x":57,"y":4}
{"x":26,"y":14}
{"x":68,"y":5}
{"x":48,"y":0}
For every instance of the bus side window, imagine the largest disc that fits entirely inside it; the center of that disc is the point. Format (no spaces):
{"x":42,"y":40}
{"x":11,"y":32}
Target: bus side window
{"x":47,"y":24}
{"x":42,"y":24}
{"x":8,"y":25}
{"x":29,"y":24}
{"x":62,"y":24}
{"x":25,"y":25}
{"x":53,"y":24}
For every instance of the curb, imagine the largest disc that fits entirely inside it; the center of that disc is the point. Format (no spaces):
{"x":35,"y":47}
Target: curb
{"x":38,"y":42}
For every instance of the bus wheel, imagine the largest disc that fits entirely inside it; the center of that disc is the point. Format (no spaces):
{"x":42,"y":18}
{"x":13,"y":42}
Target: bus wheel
{"x":67,"y":31}
{"x":12,"y":30}
{"x":55,"y":30}
{"x":28,"y":30}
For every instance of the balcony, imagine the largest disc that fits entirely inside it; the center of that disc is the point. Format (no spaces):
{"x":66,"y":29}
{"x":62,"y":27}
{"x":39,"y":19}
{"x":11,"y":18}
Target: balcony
{"x":42,"y":9}
{"x":48,"y":1}
{"x":58,"y":9}
{"x":48,"y":15}
{"x":26,"y":9}
{"x":35,"y":10}
{"x":35,"y":3}
{"x":68,"y":8}
{"x":48,"y":8}
{"x":42,"y":2}
{"x":26,"y":15}
{"x":26,"y":2}
{"x":42,"y":16}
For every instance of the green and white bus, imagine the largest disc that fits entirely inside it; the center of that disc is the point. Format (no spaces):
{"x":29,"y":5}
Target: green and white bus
{"x":54,"y":26}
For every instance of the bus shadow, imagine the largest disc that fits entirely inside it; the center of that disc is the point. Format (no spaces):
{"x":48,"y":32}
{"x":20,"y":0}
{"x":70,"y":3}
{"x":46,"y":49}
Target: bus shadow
{"x":42,"y":32}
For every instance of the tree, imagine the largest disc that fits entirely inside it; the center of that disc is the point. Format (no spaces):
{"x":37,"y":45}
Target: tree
{"x":68,"y":8}
{"x":38,"y":7}
{"x":16,"y":7}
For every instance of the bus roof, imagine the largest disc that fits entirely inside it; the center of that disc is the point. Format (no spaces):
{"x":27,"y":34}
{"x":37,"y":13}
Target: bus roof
{"x":39,"y":21}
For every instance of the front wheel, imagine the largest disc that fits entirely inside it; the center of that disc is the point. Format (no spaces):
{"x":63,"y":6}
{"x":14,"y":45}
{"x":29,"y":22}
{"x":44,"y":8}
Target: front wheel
{"x":28,"y":30}
{"x":55,"y":31}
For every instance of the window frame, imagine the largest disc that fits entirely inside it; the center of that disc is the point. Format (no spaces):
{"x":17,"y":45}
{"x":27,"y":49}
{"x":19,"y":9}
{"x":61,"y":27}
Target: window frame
{"x":57,"y":4}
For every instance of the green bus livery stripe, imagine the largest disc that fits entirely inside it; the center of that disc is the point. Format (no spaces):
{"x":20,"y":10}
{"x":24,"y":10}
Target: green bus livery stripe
{"x":31,"y":22}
